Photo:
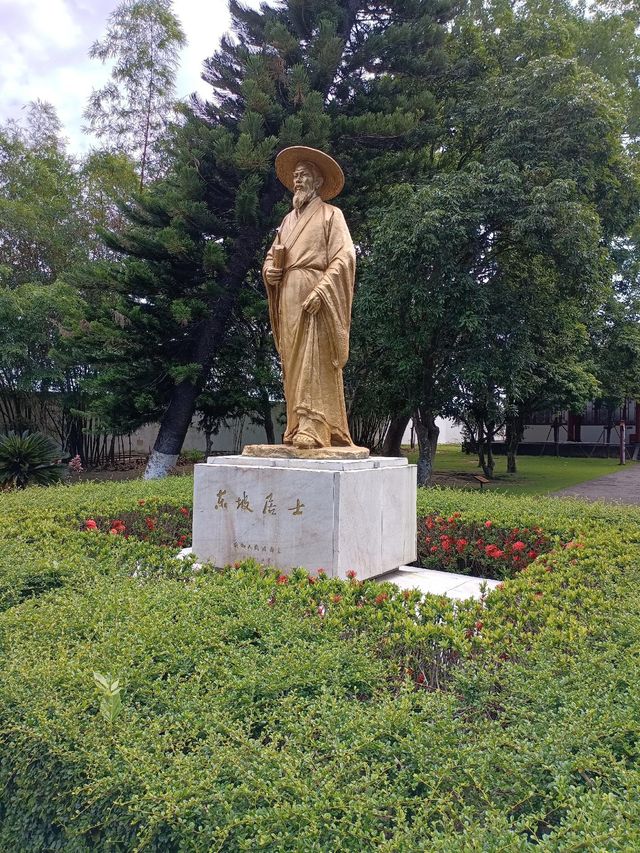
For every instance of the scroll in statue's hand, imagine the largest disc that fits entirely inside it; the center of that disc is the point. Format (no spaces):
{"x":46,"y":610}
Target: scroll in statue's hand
{"x":273,"y":275}
{"x":312,"y":304}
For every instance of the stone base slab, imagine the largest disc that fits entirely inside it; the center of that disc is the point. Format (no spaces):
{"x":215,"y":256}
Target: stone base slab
{"x":287,"y":451}
{"x":338,"y":515}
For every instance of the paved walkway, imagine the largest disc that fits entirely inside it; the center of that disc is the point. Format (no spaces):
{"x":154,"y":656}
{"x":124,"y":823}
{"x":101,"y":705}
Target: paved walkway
{"x":621,"y":487}
{"x":438,"y":583}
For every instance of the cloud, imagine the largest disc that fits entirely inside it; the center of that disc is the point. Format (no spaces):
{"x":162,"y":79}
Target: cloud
{"x":204,"y":25}
{"x":44,"y":45}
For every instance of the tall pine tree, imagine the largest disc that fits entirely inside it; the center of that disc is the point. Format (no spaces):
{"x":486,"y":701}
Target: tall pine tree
{"x":354,"y":77}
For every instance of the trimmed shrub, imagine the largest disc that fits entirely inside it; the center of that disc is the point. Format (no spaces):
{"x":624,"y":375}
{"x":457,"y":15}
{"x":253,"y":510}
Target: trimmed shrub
{"x":270,"y":712}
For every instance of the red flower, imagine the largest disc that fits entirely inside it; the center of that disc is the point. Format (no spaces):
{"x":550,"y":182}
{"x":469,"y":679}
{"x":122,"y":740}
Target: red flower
{"x":311,"y":579}
{"x":117,"y":527}
{"x":184,"y":510}
{"x":282,"y":579}
{"x":479,"y":626}
{"x":433,"y":549}
{"x":421,"y":678}
{"x":518,"y":546}
{"x":532,"y":555}
{"x":141,"y":503}
{"x":351,"y":574}
{"x":321,"y":573}
{"x":182,"y":540}
{"x":90,"y":524}
{"x":488,"y":524}
{"x":382,"y":597}
{"x":493,"y":551}
{"x":150,"y":523}
{"x":461,"y":544}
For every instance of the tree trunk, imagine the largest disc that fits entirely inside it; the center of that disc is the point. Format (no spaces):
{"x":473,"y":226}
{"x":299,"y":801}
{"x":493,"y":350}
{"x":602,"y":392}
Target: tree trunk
{"x":485,"y":453}
{"x":268,"y":421}
{"x":393,"y":439}
{"x":173,"y":430}
{"x":490,"y":466}
{"x":427,"y":433}
{"x":514,"y":433}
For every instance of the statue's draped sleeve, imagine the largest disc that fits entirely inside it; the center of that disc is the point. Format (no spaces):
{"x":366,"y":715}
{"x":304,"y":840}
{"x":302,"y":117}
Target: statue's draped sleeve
{"x":336,"y":285}
{"x":273,"y":294}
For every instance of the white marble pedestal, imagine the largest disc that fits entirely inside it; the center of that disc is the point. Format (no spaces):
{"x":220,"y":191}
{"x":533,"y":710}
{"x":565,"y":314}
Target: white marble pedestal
{"x":336,"y":515}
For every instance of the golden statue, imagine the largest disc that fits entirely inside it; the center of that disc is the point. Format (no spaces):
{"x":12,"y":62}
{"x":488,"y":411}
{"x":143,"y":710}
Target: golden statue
{"x":310,"y":272}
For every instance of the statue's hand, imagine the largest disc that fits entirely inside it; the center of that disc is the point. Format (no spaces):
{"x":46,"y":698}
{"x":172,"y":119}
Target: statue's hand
{"x":312,"y":304}
{"x":273,"y":276}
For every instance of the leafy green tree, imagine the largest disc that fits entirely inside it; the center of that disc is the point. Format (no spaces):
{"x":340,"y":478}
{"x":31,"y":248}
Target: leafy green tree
{"x":41,"y":231}
{"x":478,"y":261}
{"x":131,"y":112}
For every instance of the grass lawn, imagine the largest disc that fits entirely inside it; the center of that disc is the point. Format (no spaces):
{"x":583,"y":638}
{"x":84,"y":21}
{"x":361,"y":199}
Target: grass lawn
{"x":537,"y":475}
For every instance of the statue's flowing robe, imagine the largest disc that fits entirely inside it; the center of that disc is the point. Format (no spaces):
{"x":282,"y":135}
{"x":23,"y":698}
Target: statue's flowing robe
{"x":319,"y":258}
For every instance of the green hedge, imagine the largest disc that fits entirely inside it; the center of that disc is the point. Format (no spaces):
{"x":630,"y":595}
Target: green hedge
{"x":268,"y":713}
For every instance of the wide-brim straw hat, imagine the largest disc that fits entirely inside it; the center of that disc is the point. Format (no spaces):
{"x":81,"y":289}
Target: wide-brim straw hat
{"x":288,"y":159}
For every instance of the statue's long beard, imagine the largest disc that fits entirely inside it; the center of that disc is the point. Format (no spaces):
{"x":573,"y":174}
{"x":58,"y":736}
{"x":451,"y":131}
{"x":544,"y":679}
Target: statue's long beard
{"x":302,"y":197}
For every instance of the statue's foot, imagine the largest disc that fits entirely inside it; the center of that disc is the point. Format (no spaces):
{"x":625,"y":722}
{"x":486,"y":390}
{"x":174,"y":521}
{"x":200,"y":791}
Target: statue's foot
{"x":303,"y":442}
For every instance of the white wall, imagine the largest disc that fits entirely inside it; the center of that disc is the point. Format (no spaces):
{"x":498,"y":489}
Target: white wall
{"x":230,"y":439}
{"x":450,"y":433}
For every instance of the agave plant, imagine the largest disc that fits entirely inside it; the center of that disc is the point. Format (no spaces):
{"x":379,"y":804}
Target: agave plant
{"x":29,"y":459}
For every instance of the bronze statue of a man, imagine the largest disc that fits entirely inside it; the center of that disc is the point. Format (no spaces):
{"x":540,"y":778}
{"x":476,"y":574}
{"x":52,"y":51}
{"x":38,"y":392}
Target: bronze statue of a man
{"x":310,"y":272}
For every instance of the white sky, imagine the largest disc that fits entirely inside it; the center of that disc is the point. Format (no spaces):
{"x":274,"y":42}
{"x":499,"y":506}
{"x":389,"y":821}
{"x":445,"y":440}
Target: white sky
{"x":44,"y":46}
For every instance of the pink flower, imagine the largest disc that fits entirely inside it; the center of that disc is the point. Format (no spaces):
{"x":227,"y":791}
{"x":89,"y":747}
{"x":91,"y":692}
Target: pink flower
{"x":351,"y":574}
{"x":90,"y":524}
